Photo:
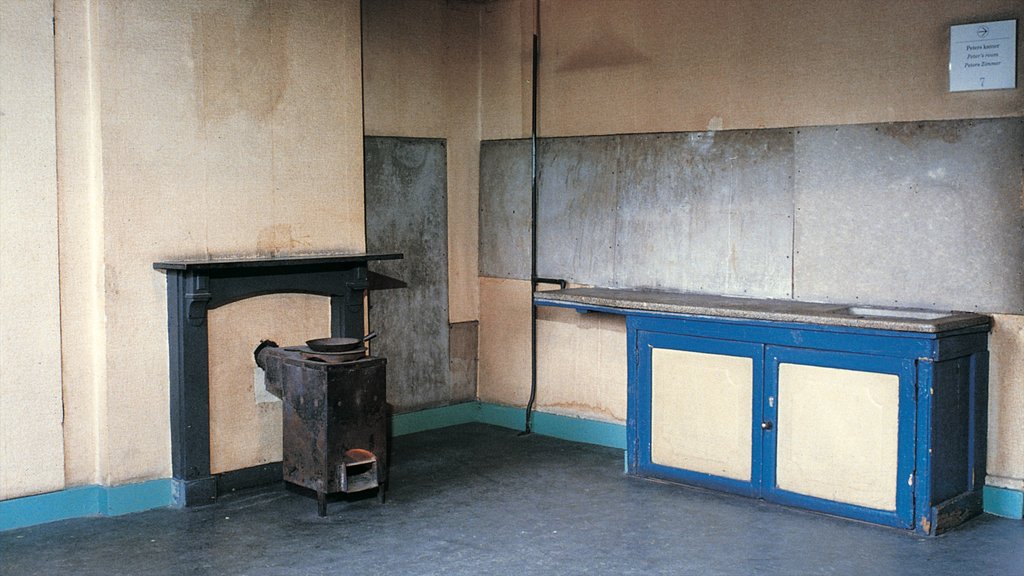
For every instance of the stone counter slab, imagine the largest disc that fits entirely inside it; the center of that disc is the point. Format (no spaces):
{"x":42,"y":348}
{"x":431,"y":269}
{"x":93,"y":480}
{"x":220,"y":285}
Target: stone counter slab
{"x":694,"y":304}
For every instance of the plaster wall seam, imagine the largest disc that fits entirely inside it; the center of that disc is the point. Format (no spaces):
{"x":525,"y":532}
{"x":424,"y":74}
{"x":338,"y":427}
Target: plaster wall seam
{"x":80,"y":240}
{"x":96,"y":253}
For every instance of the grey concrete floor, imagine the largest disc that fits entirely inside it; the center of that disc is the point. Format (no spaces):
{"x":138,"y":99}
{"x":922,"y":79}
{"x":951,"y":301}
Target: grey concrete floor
{"x":475,"y":499}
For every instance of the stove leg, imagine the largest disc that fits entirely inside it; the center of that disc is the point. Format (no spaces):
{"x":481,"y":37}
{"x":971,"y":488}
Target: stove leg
{"x":321,"y":504}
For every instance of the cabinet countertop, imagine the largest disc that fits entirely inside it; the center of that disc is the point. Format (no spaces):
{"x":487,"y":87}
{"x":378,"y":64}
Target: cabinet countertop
{"x":693,"y":304}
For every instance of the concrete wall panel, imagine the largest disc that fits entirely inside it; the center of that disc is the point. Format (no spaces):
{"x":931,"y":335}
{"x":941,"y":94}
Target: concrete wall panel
{"x":708,"y":212}
{"x":406,"y":211}
{"x":505,"y":188}
{"x":577,"y":199}
{"x":913,"y":214}
{"x":705,"y":212}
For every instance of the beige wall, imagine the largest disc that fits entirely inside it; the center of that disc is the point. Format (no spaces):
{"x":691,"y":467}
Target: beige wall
{"x":31,"y":439}
{"x":504,"y":357}
{"x":1006,"y":402}
{"x":228,"y":128}
{"x":506,"y":69}
{"x":183,"y":129}
{"x":624,"y":66}
{"x":581,"y":358}
{"x":581,"y":364}
{"x":245,"y":431}
{"x":421,"y":63}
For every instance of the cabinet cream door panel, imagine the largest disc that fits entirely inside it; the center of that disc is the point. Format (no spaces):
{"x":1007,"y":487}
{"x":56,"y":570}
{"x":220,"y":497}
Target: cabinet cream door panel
{"x":838,"y":434}
{"x":701,"y":410}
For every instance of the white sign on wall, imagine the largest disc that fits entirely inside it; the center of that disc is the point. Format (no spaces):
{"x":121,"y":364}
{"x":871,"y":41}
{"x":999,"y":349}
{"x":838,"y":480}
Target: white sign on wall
{"x":983,"y":56}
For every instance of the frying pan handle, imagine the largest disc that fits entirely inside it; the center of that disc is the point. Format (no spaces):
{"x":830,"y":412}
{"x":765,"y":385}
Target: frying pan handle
{"x":370,"y":336}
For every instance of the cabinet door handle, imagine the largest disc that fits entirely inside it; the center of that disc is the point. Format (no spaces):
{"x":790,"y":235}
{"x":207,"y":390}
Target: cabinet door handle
{"x":766,"y":425}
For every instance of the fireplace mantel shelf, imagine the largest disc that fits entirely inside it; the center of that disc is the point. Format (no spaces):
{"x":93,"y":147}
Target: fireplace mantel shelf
{"x":273,"y":262}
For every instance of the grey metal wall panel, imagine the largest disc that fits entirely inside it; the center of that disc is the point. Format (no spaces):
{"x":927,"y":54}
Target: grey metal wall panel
{"x":407,"y":211}
{"x":505,"y":187}
{"x":912,"y":214}
{"x":709,"y":212}
{"x":705,"y":212}
{"x":576,"y":209}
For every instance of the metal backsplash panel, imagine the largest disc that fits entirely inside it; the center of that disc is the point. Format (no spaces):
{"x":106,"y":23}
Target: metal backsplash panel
{"x":505,"y":187}
{"x":407,"y":212}
{"x":926,"y":214}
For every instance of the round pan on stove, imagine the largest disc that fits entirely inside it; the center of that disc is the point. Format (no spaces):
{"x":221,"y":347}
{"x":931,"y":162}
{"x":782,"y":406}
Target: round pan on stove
{"x":338,"y":344}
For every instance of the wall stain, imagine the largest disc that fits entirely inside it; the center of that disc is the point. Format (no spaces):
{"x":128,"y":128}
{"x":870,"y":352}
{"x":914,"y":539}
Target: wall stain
{"x":279,"y":238}
{"x":604,"y":49}
{"x":910,"y":134}
{"x":583,"y":408}
{"x":241,"y":61}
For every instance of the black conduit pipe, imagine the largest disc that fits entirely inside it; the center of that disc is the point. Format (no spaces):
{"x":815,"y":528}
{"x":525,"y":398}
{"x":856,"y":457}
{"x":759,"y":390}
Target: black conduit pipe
{"x":528,"y":425}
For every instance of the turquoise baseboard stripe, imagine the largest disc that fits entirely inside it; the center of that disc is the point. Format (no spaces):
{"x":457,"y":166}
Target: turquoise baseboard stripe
{"x":84,"y":501}
{"x":431,"y":418}
{"x":1004,"y":502}
{"x":50,"y":507}
{"x":556,"y":425}
{"x":131,"y":498}
{"x":580,"y":430}
{"x":115,"y":500}
{"x":504,"y":416}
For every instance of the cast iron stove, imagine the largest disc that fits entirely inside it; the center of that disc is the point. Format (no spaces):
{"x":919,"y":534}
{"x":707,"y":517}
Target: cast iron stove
{"x":335,"y":418}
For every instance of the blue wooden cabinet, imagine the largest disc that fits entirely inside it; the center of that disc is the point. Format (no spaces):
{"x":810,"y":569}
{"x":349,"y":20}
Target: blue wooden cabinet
{"x":862,"y":421}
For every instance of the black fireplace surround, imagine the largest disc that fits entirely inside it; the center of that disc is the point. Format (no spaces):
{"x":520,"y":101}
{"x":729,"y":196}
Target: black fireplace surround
{"x":196,"y":286}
